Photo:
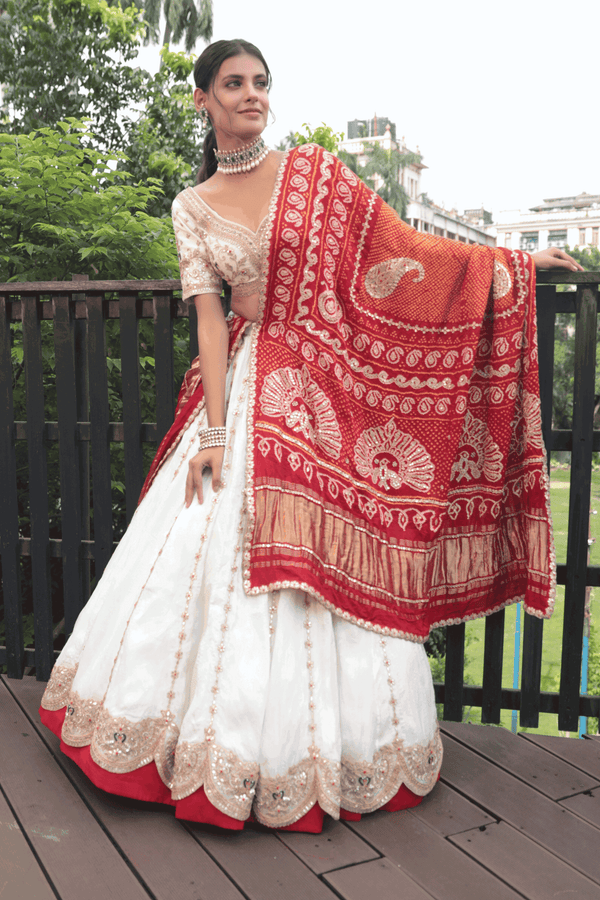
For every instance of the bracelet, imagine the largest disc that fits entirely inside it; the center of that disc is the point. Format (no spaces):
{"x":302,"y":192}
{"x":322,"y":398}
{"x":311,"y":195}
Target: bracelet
{"x":213,"y":437}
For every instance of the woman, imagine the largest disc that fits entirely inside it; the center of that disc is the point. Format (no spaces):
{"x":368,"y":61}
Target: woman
{"x":361,"y":458}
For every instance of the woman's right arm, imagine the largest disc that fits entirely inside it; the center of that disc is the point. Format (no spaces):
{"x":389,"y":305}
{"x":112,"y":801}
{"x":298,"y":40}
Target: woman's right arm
{"x":213,"y":345}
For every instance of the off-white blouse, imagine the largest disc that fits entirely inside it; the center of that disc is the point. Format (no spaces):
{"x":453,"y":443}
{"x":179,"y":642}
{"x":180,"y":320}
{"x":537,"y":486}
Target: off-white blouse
{"x":212,"y":248}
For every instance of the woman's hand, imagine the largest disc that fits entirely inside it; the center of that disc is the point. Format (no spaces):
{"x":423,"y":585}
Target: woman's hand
{"x":211,"y":458}
{"x":553,"y":258}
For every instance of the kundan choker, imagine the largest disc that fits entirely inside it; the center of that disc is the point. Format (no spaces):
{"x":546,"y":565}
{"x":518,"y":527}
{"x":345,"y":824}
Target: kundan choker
{"x":232,"y":162}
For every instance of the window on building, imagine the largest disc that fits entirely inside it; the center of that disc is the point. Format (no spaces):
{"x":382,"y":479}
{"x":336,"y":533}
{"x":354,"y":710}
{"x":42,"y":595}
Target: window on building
{"x":557,"y":239}
{"x":529,"y":240}
{"x":595,"y":237}
{"x":439,"y":231}
{"x":415,"y":224}
{"x":451,"y":235}
{"x":581,"y":237}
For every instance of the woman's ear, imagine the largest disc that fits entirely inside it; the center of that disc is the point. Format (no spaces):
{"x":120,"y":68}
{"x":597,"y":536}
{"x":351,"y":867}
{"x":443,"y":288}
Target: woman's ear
{"x":199,"y":98}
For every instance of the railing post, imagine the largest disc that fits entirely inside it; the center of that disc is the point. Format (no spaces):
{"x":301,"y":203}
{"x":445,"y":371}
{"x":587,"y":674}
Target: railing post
{"x":579,"y":506}
{"x":9,"y":508}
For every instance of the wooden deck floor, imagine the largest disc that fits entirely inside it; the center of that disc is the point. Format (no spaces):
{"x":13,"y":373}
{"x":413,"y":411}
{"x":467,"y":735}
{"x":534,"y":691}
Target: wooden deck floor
{"x":512,"y":817}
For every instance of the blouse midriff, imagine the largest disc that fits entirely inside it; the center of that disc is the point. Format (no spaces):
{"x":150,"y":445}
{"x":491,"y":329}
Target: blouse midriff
{"x":212,"y":248}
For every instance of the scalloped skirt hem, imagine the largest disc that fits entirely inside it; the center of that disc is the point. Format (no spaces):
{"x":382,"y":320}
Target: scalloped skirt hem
{"x":145,"y":784}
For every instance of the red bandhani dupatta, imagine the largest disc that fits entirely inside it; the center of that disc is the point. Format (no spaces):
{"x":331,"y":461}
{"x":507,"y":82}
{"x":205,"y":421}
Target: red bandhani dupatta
{"x":396,"y":468}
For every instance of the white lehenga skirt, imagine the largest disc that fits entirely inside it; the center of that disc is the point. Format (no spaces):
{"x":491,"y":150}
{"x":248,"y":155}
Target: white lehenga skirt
{"x":270,"y":702}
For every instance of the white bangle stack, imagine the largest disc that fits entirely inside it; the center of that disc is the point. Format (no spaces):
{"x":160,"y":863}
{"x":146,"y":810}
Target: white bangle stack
{"x":213,"y":437}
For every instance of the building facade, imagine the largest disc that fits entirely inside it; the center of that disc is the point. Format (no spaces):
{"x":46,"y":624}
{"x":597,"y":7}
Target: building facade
{"x":422,"y":213}
{"x":557,"y":222}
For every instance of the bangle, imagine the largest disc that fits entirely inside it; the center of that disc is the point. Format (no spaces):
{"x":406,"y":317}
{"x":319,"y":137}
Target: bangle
{"x":213,"y":437}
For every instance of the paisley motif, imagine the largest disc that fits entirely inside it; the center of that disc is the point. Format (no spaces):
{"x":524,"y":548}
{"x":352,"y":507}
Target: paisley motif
{"x":330,"y":307}
{"x":293,"y":395}
{"x":391,"y":458}
{"x":381,"y":280}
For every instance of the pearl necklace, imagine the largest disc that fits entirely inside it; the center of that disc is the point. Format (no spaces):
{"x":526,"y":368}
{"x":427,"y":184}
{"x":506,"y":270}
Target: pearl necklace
{"x":232,"y":162}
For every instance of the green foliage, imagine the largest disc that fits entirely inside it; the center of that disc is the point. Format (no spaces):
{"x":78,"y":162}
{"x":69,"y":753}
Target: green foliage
{"x":75,"y":63}
{"x":166,"y":140}
{"x":68,"y":58}
{"x":593,"y":685}
{"x":64,"y":209}
{"x":184,"y":19}
{"x":589,"y":258}
{"x":385,"y":166}
{"x":323,"y":135}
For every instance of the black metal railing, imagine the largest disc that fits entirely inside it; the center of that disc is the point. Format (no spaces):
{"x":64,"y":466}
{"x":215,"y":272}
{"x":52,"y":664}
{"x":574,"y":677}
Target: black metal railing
{"x":80,"y":312}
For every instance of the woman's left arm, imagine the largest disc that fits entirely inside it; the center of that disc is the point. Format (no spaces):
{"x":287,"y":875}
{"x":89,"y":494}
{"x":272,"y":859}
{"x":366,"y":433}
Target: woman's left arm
{"x":553,"y":258}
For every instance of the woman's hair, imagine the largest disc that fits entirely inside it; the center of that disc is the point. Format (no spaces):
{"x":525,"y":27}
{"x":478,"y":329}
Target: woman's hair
{"x":205,"y":71}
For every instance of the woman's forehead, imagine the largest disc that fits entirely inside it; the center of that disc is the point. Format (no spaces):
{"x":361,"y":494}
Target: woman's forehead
{"x":242,"y":64}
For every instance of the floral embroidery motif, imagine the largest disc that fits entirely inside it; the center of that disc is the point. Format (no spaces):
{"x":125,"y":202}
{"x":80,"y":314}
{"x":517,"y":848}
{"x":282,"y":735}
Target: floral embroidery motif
{"x":80,"y":719}
{"x":229,"y":782}
{"x":478,"y":454}
{"x":392,"y":458}
{"x":119,"y":745}
{"x":368,"y":786}
{"x":293,"y":395}
{"x":281,"y":801}
{"x":502,"y":283}
{"x":58,"y":687}
{"x":381,"y":280}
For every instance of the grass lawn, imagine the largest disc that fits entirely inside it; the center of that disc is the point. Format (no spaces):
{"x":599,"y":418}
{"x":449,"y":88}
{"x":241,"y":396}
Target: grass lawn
{"x":552,"y":646}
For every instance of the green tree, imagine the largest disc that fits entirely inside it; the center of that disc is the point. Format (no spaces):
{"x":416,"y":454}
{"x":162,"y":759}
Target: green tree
{"x":386,"y":165}
{"x":64,"y":209}
{"x":75,"y":63}
{"x":184,"y":19}
{"x":323,"y":135}
{"x":69,"y":58}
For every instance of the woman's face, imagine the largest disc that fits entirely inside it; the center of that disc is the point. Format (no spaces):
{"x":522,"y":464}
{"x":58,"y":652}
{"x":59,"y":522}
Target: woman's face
{"x":237,"y":102}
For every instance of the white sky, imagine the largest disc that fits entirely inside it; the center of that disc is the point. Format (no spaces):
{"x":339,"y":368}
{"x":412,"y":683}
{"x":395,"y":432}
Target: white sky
{"x":502,"y":98}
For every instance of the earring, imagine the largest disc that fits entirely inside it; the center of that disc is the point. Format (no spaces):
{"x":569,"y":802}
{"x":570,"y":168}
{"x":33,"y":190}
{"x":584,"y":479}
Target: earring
{"x":203,"y":117}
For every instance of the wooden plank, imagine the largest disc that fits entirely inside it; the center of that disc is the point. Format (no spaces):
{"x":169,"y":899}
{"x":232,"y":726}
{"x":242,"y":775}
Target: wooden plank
{"x":163,"y":355}
{"x":507,"y":798}
{"x":99,"y":422}
{"x":261,"y":865}
{"x":193,"y":317}
{"x":454,"y":672}
{"x":169,"y":861}
{"x":447,"y":812}
{"x":585,"y":805}
{"x":38,"y":489}
{"x":492,"y":667}
{"x":581,"y":754}
{"x":529,"y":868}
{"x":528,"y":763}
{"x":20,"y":875}
{"x":66,"y":287}
{"x":72,"y":847}
{"x":335,"y":847}
{"x":429,"y":859}
{"x":579,"y":507}
{"x":132,"y":413}
{"x":66,"y":402}
{"x":531,"y":660}
{"x":380,"y":878}
{"x":9,"y":508}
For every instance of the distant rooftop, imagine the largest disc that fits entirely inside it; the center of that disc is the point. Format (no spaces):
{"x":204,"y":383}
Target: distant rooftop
{"x":581,"y":201}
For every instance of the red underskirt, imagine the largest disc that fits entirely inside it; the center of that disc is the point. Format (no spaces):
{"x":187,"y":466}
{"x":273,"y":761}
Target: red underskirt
{"x":145,"y":784}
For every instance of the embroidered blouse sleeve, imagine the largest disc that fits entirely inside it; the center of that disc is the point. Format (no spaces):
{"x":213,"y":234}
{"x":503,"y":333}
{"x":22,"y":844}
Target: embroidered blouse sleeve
{"x":198,"y":275}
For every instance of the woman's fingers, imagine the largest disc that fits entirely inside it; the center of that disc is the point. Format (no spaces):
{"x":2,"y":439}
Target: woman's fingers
{"x":193,"y":482}
{"x":553,"y":258}
{"x":211,"y":458}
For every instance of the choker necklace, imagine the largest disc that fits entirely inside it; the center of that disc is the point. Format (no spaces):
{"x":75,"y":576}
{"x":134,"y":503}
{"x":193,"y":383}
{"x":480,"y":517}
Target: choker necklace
{"x":232,"y":162}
